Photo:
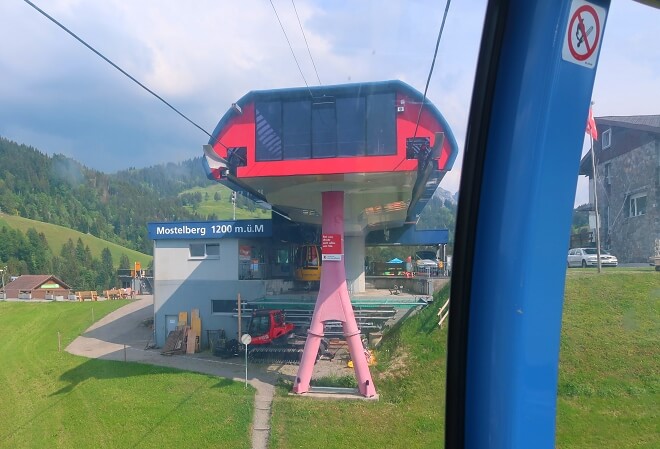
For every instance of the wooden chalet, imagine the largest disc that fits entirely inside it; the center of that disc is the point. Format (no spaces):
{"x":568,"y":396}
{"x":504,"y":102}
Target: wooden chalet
{"x":37,"y":286}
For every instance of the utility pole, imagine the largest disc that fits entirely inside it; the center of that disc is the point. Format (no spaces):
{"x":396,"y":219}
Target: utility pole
{"x":2,"y":274}
{"x":593,"y":166}
{"x":233,"y":201}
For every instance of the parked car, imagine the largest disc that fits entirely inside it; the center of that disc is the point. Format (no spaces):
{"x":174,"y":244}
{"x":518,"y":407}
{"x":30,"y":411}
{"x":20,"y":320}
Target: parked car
{"x":588,"y":257}
{"x":425,"y":261}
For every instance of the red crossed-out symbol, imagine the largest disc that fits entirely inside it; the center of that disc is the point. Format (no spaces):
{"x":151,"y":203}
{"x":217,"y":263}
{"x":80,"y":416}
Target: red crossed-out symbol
{"x":582,"y":41}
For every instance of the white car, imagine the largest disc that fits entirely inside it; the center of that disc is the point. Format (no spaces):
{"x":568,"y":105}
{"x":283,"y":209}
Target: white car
{"x":588,"y":257}
{"x":425,"y":261}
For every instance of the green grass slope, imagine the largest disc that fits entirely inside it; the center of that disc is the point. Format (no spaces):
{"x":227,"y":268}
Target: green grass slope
{"x":53,"y":399}
{"x":609,"y":372}
{"x":223,"y":208}
{"x":609,"y":381}
{"x":58,"y":236}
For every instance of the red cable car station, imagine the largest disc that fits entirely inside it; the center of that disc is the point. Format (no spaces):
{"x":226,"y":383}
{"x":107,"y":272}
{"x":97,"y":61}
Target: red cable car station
{"x":359,"y":160}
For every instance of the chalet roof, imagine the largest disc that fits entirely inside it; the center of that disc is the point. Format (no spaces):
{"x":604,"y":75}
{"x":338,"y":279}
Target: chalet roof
{"x":649,"y":123}
{"x":32,"y":281}
{"x":643,"y":123}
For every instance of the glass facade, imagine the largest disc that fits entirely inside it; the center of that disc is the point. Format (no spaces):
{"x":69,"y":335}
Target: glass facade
{"x":344,"y":126}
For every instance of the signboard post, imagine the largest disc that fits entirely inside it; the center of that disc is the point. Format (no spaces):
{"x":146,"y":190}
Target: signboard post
{"x":331,"y":247}
{"x":246,"y":339}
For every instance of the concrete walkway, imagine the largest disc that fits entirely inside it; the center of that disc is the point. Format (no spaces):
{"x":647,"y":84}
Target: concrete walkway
{"x":122,"y":335}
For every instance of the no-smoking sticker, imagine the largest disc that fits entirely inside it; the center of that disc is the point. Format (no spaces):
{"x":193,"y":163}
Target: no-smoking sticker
{"x":584,"y":33}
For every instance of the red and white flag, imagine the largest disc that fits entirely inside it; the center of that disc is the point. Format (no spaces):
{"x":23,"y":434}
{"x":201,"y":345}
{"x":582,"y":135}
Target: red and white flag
{"x":591,"y":125}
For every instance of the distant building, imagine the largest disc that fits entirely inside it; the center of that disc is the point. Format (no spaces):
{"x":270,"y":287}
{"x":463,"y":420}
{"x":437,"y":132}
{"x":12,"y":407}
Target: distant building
{"x":37,"y":286}
{"x":627,"y":183}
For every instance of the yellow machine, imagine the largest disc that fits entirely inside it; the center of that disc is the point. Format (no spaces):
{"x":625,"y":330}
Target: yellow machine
{"x":307,"y":263}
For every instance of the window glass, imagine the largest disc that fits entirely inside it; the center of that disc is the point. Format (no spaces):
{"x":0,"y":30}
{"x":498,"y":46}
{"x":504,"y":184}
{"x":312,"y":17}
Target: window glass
{"x":297,"y":129}
{"x":381,"y":124}
{"x":212,"y":249}
{"x":607,"y":138}
{"x":197,"y":250}
{"x":637,"y":205}
{"x":268,"y":119}
{"x":223,"y":305}
{"x":351,"y":126}
{"x":324,"y":130}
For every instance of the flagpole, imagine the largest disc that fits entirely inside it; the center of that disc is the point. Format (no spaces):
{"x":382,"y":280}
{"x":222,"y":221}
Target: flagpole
{"x":593,"y":166}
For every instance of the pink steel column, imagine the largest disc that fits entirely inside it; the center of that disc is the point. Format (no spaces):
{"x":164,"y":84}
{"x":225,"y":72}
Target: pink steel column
{"x":333,"y":303}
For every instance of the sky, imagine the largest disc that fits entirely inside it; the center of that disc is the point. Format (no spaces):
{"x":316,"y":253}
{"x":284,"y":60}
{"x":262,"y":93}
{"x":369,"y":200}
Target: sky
{"x":59,"y":97}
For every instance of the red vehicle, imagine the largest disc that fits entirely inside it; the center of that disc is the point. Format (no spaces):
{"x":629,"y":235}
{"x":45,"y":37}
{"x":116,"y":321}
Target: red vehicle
{"x":269,"y":327}
{"x":273,"y":339}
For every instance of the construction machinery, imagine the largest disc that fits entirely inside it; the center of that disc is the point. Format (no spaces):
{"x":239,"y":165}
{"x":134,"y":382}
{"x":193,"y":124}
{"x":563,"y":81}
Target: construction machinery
{"x":307,"y":265}
{"x":274,"y":340}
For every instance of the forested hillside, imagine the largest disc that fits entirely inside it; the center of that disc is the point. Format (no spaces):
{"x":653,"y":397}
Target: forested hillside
{"x":114,"y":207}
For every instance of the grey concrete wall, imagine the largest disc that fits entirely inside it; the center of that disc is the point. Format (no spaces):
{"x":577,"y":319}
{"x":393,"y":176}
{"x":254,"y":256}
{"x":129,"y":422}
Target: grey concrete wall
{"x":179,"y":296}
{"x":354,"y":252}
{"x":182,"y":283}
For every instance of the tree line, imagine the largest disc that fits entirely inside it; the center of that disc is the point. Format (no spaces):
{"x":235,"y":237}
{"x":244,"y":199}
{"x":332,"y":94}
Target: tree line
{"x":29,"y":253}
{"x":114,"y":207}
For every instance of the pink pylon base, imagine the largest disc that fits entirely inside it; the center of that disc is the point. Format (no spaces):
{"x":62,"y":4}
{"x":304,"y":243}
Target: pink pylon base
{"x":334,"y":303}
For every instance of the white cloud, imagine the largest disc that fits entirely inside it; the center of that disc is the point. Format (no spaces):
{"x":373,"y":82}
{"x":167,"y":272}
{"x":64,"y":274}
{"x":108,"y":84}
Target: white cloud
{"x":201,"y":56}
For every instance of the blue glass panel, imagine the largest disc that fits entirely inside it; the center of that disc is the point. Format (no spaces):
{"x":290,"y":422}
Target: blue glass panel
{"x":324,"y":130}
{"x":351,"y":126}
{"x":268,"y":119}
{"x":297,"y":129}
{"x":381,"y":124}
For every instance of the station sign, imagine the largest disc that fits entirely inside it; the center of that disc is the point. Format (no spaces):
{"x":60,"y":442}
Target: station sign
{"x":210,"y":229}
{"x":331,"y":247}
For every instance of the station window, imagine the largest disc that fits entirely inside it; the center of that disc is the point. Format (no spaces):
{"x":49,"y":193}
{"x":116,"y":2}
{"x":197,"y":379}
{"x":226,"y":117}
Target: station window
{"x":296,"y":129}
{"x":381,"y":124}
{"x":351,"y":126}
{"x":345,"y":126}
{"x":223,"y":305}
{"x":324,"y":130}
{"x":204,"y":250}
{"x":268,"y":120}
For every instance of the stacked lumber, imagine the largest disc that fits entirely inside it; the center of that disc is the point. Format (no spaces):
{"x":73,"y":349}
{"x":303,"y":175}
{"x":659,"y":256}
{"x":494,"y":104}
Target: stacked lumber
{"x":185,"y":339}
{"x":176,"y":342}
{"x":195,"y":329}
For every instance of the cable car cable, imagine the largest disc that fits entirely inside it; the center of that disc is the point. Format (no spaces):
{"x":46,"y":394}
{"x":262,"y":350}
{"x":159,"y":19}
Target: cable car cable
{"x":435,"y":54}
{"x":291,"y":48}
{"x":305,"y":37}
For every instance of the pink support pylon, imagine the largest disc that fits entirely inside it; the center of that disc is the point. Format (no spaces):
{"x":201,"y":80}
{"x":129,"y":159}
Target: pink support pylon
{"x":334,"y":303}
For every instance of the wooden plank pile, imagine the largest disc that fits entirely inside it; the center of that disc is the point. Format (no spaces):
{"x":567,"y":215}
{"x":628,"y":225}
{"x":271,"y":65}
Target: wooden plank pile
{"x":176,"y":342}
{"x":185,"y":339}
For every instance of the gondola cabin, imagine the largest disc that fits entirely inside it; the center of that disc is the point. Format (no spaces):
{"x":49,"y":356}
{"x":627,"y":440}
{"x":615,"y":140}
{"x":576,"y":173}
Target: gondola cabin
{"x":368,"y":140}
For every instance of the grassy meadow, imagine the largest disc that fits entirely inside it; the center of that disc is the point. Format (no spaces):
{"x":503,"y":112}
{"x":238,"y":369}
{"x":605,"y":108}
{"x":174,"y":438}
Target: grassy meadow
{"x":53,"y":399}
{"x":223,"y":208}
{"x":58,"y":236}
{"x":609,"y":380}
{"x":608,"y":396}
